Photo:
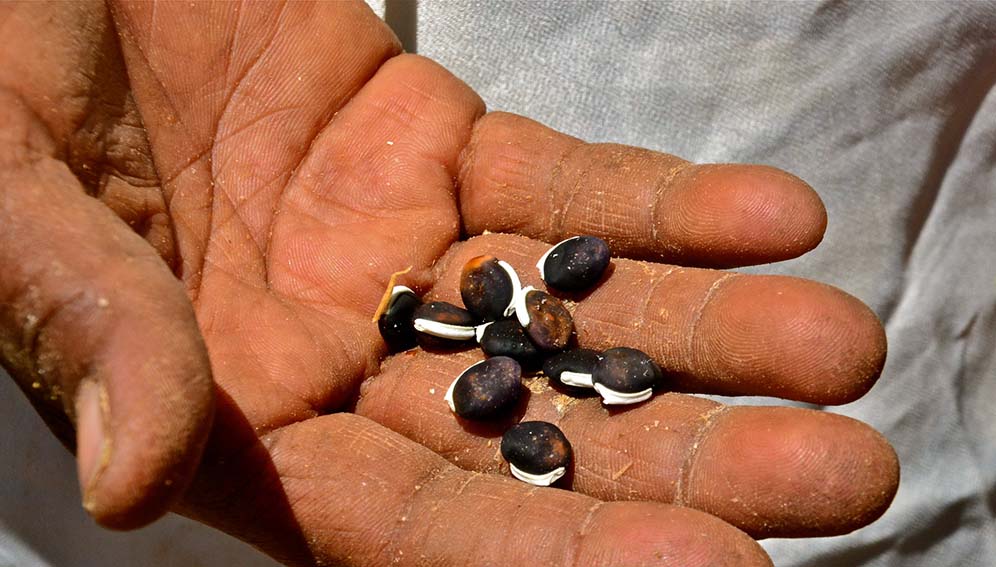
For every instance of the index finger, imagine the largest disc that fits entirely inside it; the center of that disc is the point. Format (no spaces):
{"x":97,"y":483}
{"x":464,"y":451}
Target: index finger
{"x":519,"y":176}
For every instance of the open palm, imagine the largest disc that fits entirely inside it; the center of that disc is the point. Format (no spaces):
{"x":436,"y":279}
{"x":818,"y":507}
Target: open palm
{"x":284,"y":160}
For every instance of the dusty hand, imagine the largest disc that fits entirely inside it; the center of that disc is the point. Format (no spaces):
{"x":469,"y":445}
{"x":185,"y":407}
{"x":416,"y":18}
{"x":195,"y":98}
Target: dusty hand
{"x":280,"y":162}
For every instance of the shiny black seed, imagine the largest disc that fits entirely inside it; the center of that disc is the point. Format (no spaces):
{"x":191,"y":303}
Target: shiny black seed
{"x":550,"y":323}
{"x":576,"y":264}
{"x":488,"y":389}
{"x":395,"y":323}
{"x":580,"y":360}
{"x":443,"y":312}
{"x":536,"y":447}
{"x":487,"y":289}
{"x":626,"y":370}
{"x":508,"y":338}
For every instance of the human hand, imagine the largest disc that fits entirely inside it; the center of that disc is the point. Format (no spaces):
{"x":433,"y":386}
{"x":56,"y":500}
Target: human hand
{"x":297,"y":163}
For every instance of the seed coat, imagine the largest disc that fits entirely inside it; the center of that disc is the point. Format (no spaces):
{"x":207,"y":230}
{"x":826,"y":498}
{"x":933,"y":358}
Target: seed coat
{"x":508,"y":338}
{"x":547,"y":321}
{"x":488,"y":287}
{"x":486,"y":389}
{"x":575,"y":264}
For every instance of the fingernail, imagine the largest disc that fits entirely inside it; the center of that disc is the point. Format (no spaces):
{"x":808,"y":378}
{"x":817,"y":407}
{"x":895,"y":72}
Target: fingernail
{"x":93,"y":447}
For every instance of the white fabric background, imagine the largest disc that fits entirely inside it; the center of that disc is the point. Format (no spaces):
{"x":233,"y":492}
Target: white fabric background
{"x":887,"y":108}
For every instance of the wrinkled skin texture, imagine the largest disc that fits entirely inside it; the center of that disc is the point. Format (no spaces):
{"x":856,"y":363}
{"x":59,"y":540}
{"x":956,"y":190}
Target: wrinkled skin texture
{"x":200,"y":206}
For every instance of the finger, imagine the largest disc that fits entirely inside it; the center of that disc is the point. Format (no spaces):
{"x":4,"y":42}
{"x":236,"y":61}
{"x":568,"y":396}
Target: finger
{"x":97,"y":332}
{"x":347,"y":491}
{"x":772,"y":472}
{"x":714,"y":332}
{"x":522,"y":177}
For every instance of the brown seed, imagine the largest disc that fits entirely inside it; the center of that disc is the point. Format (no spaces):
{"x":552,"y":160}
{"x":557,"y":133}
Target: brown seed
{"x":488,"y":286}
{"x":487,"y":389}
{"x":545,"y":318}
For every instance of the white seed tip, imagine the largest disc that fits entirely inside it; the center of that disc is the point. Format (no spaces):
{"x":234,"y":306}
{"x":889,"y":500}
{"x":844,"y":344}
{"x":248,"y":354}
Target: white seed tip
{"x":576,"y":379}
{"x":398,"y":290}
{"x":444,"y":330}
{"x":542,"y":260}
{"x":520,"y":306}
{"x":545,"y":479}
{"x":516,"y":285}
{"x":449,"y":394}
{"x":611,"y":397}
{"x":479,"y":330}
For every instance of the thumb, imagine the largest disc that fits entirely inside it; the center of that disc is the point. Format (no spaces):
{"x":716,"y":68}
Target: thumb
{"x":99,"y":334}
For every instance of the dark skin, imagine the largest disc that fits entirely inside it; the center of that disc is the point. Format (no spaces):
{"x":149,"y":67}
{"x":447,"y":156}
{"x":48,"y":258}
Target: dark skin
{"x":200,"y":207}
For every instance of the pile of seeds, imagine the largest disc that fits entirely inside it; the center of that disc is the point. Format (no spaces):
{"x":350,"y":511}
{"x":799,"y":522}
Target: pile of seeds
{"x":521,"y":329}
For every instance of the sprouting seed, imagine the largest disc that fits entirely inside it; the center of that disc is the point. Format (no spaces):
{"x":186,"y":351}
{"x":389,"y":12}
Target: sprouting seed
{"x":488,"y":287}
{"x":575,"y":264}
{"x":508,"y":338}
{"x":537,"y":452}
{"x":443,"y":325}
{"x":573,"y":367}
{"x":486,"y":389}
{"x":625,"y":376}
{"x":545,"y":318}
{"x":396,"y":322}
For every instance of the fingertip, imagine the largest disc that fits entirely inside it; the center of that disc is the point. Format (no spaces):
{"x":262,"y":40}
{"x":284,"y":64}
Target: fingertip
{"x":808,"y":341}
{"x":143,"y":417}
{"x":734,"y":215}
{"x":790,"y":472}
{"x":640,"y":533}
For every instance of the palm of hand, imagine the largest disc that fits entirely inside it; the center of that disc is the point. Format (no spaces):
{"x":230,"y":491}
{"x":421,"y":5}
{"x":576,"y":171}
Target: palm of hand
{"x":297,"y":175}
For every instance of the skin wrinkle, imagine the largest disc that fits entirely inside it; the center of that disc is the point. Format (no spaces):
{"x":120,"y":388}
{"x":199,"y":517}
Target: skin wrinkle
{"x":466,"y":159}
{"x":664,"y":184}
{"x":709,"y":420}
{"x":582,"y":532}
{"x":697,"y":314}
{"x":314,"y":137}
{"x":556,"y":216}
{"x":654,"y":284}
{"x":429,"y":479}
{"x":432,"y":485}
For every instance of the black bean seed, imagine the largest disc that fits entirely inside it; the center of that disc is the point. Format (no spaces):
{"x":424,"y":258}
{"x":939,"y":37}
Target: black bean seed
{"x":395,"y":323}
{"x":626,"y":370}
{"x":536,"y":448}
{"x":486,"y":389}
{"x":458,"y":321}
{"x":488,"y":287}
{"x":546,"y":319}
{"x":508,"y":338}
{"x":579,"y":361}
{"x":575,"y":264}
